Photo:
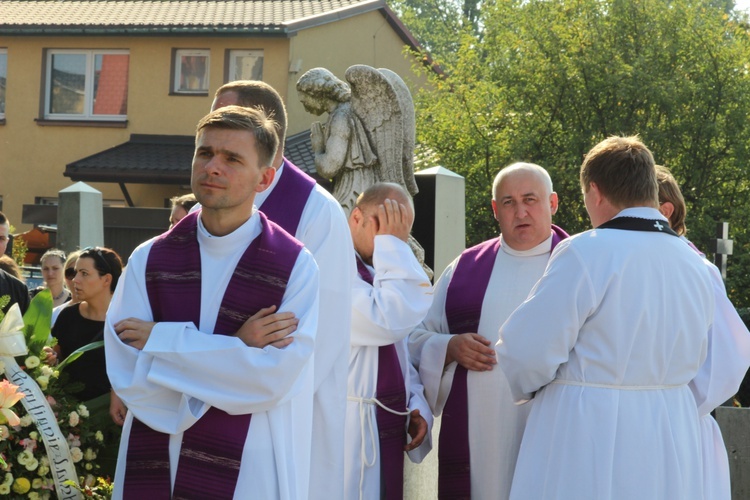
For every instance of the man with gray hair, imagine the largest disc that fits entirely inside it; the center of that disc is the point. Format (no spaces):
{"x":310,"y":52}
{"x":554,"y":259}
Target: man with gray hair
{"x":453,"y":347}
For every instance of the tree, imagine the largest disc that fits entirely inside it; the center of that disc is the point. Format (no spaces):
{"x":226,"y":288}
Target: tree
{"x":547,"y":79}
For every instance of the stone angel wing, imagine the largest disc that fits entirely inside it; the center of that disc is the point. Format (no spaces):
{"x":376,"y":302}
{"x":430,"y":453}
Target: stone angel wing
{"x":378,"y":103}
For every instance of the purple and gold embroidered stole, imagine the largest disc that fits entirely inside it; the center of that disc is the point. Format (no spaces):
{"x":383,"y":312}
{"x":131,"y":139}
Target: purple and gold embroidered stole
{"x":286,"y":202}
{"x":463,"y":310}
{"x":211,"y":451}
{"x":391,"y":392}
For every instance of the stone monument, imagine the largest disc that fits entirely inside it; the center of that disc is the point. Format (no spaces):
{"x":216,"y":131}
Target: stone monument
{"x":369,"y":135}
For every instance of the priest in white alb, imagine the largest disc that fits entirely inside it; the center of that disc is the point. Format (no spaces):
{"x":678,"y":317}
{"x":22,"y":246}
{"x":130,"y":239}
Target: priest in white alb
{"x":606,"y":345}
{"x":385,"y":397}
{"x":219,"y":398}
{"x":481,"y":427}
{"x":309,"y":213}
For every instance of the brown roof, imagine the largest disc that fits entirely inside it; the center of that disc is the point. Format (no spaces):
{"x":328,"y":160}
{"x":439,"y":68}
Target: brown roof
{"x":171,"y":17}
{"x":165,"y":159}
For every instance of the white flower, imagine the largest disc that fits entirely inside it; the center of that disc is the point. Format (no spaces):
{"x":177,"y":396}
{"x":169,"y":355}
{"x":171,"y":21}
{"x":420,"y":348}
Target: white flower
{"x":32,"y":362}
{"x":8,"y":479}
{"x":4,"y":489}
{"x":34,"y":496}
{"x":47,"y":371}
{"x":42,"y":380}
{"x":76,"y":454}
{"x":4,"y":432}
{"x":73,"y":419}
{"x":25,"y":457}
{"x":99,"y":436}
{"x":89,"y":466}
{"x":45,"y":460}
{"x":43,"y":470}
{"x":32,"y":464}
{"x":26,"y":421}
{"x":83,"y":411}
{"x":37,"y":483}
{"x":90,"y":480}
{"x":34,"y":435}
{"x":89,"y":455}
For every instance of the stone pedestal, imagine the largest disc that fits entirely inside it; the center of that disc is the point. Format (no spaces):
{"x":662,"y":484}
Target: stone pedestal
{"x":735,"y":429}
{"x":79,"y":218}
{"x":440,"y":225}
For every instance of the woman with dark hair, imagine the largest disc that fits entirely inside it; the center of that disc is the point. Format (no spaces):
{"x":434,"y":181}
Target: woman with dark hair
{"x":97,"y":271}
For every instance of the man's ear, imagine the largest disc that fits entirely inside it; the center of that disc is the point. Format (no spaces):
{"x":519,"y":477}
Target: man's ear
{"x":667,"y":209}
{"x":266,"y":178}
{"x":553,"y":203}
{"x":494,"y":209}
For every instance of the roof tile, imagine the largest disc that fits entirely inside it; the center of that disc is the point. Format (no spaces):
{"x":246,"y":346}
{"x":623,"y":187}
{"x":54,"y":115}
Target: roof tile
{"x":230,"y":15}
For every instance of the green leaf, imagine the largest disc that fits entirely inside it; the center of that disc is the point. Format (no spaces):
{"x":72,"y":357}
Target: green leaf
{"x":78,"y":352}
{"x":38,"y":320}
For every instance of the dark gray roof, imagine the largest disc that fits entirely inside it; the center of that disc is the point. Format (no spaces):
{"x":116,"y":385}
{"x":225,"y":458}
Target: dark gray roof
{"x":164,"y":159}
{"x":174,"y":17}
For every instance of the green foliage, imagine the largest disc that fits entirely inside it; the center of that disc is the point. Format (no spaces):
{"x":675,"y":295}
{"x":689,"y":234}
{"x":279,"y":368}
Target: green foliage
{"x":79,"y":352}
{"x":38,"y":320}
{"x":545,"y":80}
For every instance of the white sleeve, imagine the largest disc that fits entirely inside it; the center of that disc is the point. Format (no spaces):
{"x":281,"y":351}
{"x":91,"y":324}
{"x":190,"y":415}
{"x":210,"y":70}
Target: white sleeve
{"x":327,"y":236}
{"x":428,"y":344}
{"x":386,"y":311}
{"x":728,"y":353}
{"x":417,"y":401}
{"x":555,"y":310}
{"x":222,"y":371}
{"x":158,"y":407}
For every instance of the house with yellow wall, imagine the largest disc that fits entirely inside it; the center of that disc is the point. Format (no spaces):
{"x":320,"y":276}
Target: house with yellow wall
{"x":109,"y":91}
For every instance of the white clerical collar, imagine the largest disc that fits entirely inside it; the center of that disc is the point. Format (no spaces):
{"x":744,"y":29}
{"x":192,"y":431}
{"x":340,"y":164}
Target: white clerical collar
{"x":261,"y":197}
{"x":641,"y":213}
{"x":228,"y":243}
{"x":541,"y":249}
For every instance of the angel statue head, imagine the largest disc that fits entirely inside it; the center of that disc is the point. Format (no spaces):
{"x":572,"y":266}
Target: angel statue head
{"x":320,"y":91}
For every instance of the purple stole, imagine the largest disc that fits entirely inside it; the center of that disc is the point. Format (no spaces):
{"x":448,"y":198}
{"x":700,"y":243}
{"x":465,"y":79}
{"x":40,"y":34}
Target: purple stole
{"x":286,"y":202}
{"x":211,"y":452}
{"x":391,"y":392}
{"x":463,"y":309}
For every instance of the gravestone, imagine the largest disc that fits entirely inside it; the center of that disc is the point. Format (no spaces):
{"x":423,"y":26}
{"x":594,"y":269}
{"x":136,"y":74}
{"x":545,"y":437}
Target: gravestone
{"x":735,"y":428}
{"x":80,"y":221}
{"x":440,"y":224}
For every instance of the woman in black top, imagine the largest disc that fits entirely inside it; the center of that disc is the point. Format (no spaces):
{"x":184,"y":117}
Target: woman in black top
{"x":97,"y":272}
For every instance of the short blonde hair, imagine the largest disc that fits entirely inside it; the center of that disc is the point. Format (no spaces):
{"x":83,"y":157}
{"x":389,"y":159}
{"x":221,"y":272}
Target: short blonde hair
{"x":623,"y":170}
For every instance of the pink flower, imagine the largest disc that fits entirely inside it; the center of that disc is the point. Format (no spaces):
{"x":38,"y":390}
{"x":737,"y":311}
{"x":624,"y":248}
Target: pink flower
{"x":9,"y":396}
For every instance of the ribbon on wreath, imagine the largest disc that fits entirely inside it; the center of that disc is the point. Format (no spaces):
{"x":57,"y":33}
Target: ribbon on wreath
{"x":13,"y":343}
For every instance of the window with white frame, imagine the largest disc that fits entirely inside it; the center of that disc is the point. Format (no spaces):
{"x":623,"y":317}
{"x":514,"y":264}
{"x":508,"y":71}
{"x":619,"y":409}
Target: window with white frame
{"x":3,"y":80}
{"x":86,"y":84}
{"x":191,"y":71}
{"x":245,"y":65}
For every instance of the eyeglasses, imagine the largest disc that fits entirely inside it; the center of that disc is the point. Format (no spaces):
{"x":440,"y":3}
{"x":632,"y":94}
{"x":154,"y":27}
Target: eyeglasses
{"x":70,"y":273}
{"x":95,"y":252}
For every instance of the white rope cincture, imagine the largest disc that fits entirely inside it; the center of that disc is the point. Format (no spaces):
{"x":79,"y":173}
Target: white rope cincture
{"x":618,"y":387}
{"x":365,"y":418}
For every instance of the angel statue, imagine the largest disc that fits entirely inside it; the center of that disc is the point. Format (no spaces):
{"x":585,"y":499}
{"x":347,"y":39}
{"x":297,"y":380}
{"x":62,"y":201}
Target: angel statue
{"x":369,"y":135}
